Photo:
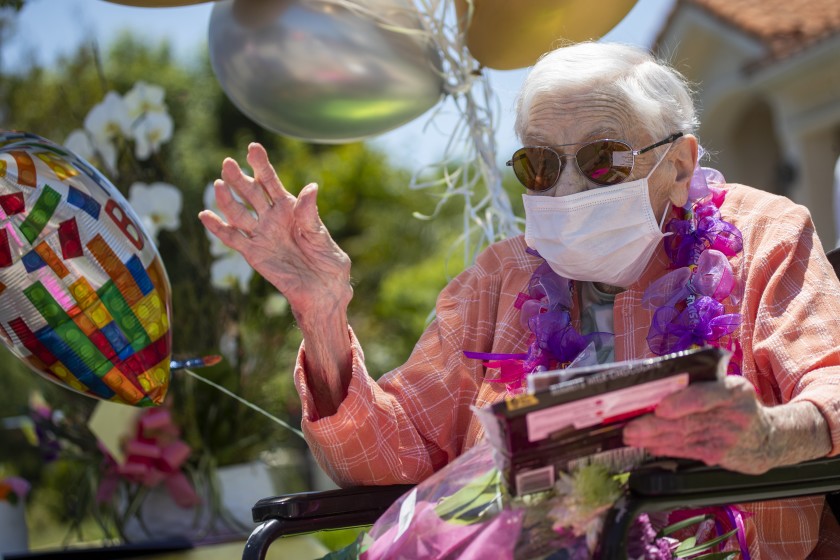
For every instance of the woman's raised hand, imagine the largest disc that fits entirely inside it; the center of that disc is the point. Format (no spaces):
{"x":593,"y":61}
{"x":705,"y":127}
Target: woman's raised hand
{"x":283,"y":239}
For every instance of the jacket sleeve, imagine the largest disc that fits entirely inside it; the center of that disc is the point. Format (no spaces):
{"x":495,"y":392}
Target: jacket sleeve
{"x":413,"y":420}
{"x":793,"y":298}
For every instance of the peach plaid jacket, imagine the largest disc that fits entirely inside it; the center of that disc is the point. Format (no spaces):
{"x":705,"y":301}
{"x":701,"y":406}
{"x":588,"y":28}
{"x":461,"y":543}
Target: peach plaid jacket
{"x":417,"y":418}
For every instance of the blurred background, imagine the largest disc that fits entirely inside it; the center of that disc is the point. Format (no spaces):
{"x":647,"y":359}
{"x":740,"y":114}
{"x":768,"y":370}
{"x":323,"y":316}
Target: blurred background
{"x":768,"y":87}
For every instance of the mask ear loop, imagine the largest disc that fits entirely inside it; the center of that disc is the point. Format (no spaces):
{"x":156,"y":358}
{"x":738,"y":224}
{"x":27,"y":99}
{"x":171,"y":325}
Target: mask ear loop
{"x":667,"y":206}
{"x":662,"y":221}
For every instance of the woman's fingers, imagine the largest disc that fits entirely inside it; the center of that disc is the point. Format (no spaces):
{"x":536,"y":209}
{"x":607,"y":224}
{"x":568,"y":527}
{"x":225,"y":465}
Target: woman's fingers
{"x":265,"y":175}
{"x":286,"y":241}
{"x":306,"y":209}
{"x":704,"y":397}
{"x":249,"y":189}
{"x":237,"y":215}
{"x":227,"y":234}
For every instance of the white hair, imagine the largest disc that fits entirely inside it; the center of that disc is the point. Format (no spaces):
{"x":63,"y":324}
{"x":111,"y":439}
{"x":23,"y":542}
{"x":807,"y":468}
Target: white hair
{"x":658,"y":95}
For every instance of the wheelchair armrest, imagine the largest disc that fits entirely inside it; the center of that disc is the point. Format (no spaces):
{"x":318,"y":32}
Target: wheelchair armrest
{"x":306,"y":512}
{"x":668,"y":485}
{"x":696,"y":485}
{"x":358,"y":501}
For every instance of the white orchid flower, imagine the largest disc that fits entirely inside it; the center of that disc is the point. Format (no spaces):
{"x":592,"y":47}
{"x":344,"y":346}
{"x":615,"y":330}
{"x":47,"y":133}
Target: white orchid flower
{"x":158,"y":205}
{"x":230,"y":271}
{"x":80,"y":144}
{"x":83,"y":144}
{"x":152,"y":130}
{"x":209,"y":198}
{"x":229,"y":343}
{"x":109,"y":119}
{"x":217,"y":248}
{"x":107,"y":153}
{"x":144,"y":98}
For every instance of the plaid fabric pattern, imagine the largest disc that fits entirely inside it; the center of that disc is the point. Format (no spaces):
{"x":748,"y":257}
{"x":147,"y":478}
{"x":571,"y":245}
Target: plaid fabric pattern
{"x":417,"y":418}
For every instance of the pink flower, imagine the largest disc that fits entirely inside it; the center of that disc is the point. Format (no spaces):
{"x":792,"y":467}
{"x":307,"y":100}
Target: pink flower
{"x":13,"y":488}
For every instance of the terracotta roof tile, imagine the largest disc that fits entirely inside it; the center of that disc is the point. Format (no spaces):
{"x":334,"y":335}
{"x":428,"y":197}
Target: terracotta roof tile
{"x":784,"y":26}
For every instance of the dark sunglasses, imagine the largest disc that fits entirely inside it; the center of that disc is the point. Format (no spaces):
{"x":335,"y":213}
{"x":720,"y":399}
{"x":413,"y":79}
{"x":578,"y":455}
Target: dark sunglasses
{"x":603,"y":162}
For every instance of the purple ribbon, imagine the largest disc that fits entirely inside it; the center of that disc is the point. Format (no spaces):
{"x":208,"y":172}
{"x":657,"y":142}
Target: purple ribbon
{"x":703,"y":318}
{"x":712,"y":277}
{"x":552,"y":290}
{"x":699,"y":323}
{"x":698,"y":233}
{"x":736,"y":517}
{"x":687,"y":300}
{"x":543,"y":310}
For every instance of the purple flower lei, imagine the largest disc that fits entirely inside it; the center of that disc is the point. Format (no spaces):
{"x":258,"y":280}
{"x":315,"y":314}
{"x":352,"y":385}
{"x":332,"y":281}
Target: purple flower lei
{"x":688,"y":300}
{"x":554,"y":342}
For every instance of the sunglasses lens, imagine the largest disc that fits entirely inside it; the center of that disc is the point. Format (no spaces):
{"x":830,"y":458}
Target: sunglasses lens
{"x":605,"y":162}
{"x":536,"y":168}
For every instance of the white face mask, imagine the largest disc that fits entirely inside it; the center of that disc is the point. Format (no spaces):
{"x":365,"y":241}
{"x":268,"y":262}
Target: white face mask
{"x":604,"y":235}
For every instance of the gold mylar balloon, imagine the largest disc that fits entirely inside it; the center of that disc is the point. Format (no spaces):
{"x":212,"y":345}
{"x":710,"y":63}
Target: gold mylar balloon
{"x":157,"y":3}
{"x":505,"y":35}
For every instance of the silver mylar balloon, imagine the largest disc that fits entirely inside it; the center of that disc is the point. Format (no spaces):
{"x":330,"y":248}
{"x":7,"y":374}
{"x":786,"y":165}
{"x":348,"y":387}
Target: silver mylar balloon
{"x":318,"y":71}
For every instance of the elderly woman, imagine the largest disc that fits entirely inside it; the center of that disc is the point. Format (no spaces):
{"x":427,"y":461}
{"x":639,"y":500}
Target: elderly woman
{"x":610,"y":159}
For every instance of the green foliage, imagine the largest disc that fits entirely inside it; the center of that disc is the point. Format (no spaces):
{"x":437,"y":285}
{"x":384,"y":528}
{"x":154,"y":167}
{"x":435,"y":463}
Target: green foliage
{"x":13,"y":4}
{"x":340,"y":539}
{"x":595,"y":486}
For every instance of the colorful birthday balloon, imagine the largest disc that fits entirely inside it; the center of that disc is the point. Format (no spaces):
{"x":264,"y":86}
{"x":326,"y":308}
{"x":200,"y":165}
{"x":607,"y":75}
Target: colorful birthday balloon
{"x":84,"y":296}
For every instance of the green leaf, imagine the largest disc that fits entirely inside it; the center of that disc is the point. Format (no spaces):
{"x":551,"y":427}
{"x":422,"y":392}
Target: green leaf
{"x":685,"y":552}
{"x":622,"y":478}
{"x":726,"y":555}
{"x":687,"y":544}
{"x":470,"y":502}
{"x":673,"y":528}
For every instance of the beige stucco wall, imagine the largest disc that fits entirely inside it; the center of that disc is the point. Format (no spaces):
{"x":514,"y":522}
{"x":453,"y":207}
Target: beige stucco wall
{"x":775,"y":128}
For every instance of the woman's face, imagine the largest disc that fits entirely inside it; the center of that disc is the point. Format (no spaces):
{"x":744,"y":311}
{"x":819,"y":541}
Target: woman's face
{"x":592,"y":116}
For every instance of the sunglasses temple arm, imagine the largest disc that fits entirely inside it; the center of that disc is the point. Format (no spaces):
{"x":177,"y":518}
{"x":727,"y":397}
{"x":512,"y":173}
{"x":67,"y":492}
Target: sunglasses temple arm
{"x":660,"y":143}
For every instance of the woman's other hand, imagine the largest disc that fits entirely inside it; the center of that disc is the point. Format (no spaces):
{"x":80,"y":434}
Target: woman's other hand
{"x":724,"y":424}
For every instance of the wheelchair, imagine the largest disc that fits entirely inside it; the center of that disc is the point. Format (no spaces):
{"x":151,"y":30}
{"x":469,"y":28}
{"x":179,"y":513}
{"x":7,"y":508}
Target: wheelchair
{"x":650,"y":488}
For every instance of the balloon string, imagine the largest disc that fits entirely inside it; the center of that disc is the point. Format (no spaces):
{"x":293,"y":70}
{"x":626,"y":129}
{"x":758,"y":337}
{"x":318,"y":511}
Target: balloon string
{"x":249,"y":404}
{"x":468,"y":167}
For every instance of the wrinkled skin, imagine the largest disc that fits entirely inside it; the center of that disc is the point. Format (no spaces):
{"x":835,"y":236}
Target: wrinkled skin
{"x":285,"y":241}
{"x":724,"y":424}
